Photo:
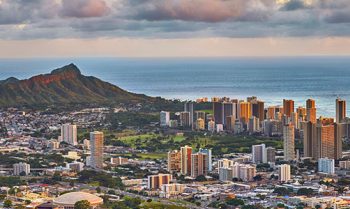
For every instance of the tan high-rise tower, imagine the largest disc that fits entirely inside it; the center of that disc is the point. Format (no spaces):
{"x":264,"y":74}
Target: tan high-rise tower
{"x":288,"y":142}
{"x":186,"y":160}
{"x":311,"y":111}
{"x":199,"y":165}
{"x":258,"y":109}
{"x":310,"y":140}
{"x":96,"y":147}
{"x":340,"y":107}
{"x":288,"y":107}
{"x":325,"y":138}
{"x":245,"y":111}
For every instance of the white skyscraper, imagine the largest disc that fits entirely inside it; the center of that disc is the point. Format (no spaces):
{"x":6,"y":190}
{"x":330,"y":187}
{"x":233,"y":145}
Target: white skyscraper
{"x":326,"y":165}
{"x":258,"y":153}
{"x":69,"y":134}
{"x":164,"y":118}
{"x":284,"y":172}
{"x":209,"y":158}
{"x":269,"y":155}
{"x":288,"y":142}
{"x":21,"y":169}
{"x":96,"y":147}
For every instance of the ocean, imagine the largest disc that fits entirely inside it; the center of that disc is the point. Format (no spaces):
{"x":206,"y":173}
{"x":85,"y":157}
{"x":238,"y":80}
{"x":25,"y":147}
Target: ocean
{"x":270,"y":79}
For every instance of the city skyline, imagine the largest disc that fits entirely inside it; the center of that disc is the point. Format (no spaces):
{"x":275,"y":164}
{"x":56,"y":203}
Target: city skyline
{"x":181,"y":104}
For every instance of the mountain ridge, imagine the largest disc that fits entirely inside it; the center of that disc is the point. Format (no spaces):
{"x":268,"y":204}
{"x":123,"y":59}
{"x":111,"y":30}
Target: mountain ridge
{"x":65,"y":85}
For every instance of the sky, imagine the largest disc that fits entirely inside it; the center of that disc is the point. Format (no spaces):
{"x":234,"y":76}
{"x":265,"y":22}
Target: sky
{"x":173,"y":28}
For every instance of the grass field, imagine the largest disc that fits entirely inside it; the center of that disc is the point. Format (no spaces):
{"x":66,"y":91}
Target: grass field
{"x":156,"y":143}
{"x":130,"y":139}
{"x":179,"y":138}
{"x":208,"y":111}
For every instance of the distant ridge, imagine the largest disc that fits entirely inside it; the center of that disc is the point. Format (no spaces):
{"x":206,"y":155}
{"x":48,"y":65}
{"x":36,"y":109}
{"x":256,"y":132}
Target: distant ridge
{"x":64,"y":85}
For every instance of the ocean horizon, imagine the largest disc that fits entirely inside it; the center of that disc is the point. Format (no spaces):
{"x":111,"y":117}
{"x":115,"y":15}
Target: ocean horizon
{"x":271,"y":79}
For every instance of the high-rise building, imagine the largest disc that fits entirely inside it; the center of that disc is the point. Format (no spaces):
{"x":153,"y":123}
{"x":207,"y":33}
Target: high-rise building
{"x":346,"y":129}
{"x":225,"y":174}
{"x":199,"y":165}
{"x":344,"y":164}
{"x":230,"y":123}
{"x":200,"y":114}
{"x":311,"y":110}
{"x":211,"y":126}
{"x":310,"y":103}
{"x":301,"y":111}
{"x":288,"y":107}
{"x":218,"y":112}
{"x":238,"y":127}
{"x":258,"y":153}
{"x":171,"y":190}
{"x":174,"y":161}
{"x":247,"y":172}
{"x":258,"y":109}
{"x":288,"y":142}
{"x":164,"y":118}
{"x":21,"y":169}
{"x":189,"y":107}
{"x":339,"y":134}
{"x":225,"y":163}
{"x":69,"y":134}
{"x":310,"y":142}
{"x":326,"y":165}
{"x":284,"y":173}
{"x":325,"y":138}
{"x":229,"y":109}
{"x":240,"y":171}
{"x":156,"y":181}
{"x":340,"y":106}
{"x":200,"y":124}
{"x":271,"y":111}
{"x":253,"y":125}
{"x":209,"y":156}
{"x":269,"y":155}
{"x":294,"y":120}
{"x":186,"y":160}
{"x":185,"y":119}
{"x":245,"y":112}
{"x":96,"y":147}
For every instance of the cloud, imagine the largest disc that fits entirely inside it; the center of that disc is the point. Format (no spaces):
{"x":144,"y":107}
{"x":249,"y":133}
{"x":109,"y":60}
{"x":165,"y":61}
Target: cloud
{"x":34,"y":19}
{"x":196,"y":10}
{"x":84,"y":8}
{"x":342,"y":16}
{"x":294,"y":5}
{"x":26,"y":11}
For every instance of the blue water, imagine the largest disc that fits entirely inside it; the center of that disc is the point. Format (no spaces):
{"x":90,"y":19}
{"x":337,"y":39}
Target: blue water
{"x":271,"y":79}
